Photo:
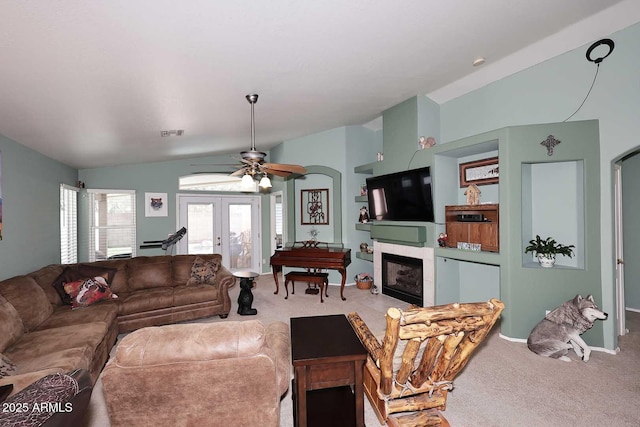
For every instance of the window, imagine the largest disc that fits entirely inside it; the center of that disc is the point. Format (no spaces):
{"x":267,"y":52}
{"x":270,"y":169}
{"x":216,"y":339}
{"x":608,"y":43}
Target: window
{"x":68,"y":224}
{"x":112,"y":222}
{"x":214,"y":182}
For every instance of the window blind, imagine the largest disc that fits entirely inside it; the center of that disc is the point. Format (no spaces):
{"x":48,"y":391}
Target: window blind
{"x":68,"y":224}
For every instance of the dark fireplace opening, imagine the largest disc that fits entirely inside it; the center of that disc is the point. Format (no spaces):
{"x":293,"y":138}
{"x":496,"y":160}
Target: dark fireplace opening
{"x":402,"y":278}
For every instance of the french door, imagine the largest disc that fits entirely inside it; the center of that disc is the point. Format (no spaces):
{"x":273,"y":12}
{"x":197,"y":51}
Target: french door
{"x":229,"y":226}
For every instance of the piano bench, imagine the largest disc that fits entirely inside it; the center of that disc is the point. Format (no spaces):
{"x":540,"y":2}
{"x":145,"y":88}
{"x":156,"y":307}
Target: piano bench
{"x":320,"y":279}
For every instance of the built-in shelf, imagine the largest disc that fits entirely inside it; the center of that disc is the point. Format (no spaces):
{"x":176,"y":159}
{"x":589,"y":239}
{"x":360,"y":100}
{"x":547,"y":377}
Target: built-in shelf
{"x":363,"y":226}
{"x":362,"y":199}
{"x":365,"y":255}
{"x":535,"y":264}
{"x":368,"y":168}
{"x":482,"y":257}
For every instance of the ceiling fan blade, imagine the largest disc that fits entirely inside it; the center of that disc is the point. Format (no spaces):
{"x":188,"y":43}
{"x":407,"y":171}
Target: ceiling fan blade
{"x":276,"y":172}
{"x":238,"y":172}
{"x":284,"y":167}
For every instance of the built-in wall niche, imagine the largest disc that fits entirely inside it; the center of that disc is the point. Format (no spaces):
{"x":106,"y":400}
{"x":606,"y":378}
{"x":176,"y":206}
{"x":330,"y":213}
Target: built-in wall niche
{"x":553,"y":206}
{"x":446,"y":173}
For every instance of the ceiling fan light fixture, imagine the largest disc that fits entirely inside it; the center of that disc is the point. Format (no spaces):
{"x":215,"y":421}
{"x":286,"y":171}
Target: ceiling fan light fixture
{"x":265,"y":182}
{"x":247,"y":183}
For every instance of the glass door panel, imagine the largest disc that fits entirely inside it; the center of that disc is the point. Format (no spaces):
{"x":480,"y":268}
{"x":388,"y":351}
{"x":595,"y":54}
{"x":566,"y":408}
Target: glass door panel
{"x":200,"y":226}
{"x":240,"y":236}
{"x":229,"y":226}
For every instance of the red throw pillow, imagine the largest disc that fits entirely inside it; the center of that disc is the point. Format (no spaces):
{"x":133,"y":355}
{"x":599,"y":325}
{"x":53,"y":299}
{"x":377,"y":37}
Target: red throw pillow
{"x":77,"y":272}
{"x":85,"y":292}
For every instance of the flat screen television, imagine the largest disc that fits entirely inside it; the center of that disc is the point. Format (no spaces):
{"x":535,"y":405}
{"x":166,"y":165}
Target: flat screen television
{"x":401,"y":196}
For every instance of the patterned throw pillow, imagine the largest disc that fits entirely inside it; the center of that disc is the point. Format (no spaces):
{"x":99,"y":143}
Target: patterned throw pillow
{"x":77,"y":272}
{"x":85,"y":292}
{"x":7,"y":367}
{"x":203,"y":272}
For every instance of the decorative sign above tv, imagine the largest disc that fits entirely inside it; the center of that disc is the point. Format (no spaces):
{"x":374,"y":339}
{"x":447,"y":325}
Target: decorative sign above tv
{"x":401,"y":196}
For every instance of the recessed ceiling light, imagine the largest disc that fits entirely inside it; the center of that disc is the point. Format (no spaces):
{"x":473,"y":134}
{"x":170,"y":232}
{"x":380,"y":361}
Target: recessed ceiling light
{"x":478,"y":62}
{"x":178,"y":132}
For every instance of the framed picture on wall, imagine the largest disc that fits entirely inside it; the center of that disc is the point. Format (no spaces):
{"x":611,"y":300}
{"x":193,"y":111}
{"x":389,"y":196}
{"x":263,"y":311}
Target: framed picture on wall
{"x":479,"y":172}
{"x":155,"y":204}
{"x":314,"y":206}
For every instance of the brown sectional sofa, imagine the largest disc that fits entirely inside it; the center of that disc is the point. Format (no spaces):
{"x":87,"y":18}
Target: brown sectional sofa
{"x":41,"y":335}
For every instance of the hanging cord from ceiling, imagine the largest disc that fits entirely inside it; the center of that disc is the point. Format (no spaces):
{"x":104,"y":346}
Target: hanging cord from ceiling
{"x":597,"y":61}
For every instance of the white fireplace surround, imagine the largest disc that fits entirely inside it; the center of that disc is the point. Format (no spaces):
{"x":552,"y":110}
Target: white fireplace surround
{"x":425,"y":254}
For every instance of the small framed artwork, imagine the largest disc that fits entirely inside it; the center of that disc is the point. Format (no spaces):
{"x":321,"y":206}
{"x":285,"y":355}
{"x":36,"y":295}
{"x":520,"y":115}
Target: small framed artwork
{"x":479,"y":172}
{"x":155,"y":204}
{"x":314,"y":206}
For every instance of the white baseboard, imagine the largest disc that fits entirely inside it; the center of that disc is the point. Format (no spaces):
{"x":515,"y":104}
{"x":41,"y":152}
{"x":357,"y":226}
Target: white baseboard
{"x":524,"y":341}
{"x":635,"y":310}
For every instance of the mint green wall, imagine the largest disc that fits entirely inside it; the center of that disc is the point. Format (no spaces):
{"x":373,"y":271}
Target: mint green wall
{"x":630,"y":209}
{"x":340,"y":149}
{"x":161,"y":177}
{"x":551,"y":92}
{"x":403,"y":124}
{"x":31,"y":208}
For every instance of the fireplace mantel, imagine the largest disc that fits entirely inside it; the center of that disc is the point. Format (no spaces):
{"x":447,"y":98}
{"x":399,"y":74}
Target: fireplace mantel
{"x":412,"y":235}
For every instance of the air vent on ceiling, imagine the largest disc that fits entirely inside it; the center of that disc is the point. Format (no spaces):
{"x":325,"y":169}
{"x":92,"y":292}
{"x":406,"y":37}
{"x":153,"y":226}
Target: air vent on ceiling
{"x":178,"y":132}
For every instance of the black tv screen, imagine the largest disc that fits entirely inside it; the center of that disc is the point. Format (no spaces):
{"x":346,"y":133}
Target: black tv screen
{"x":401,"y":196}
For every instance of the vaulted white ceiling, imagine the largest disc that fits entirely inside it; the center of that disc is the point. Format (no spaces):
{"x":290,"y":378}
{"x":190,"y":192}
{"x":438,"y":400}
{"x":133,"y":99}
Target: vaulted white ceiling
{"x":94,"y":83}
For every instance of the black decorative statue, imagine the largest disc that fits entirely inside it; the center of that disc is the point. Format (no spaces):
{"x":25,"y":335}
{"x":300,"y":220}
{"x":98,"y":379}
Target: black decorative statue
{"x":245,"y":299}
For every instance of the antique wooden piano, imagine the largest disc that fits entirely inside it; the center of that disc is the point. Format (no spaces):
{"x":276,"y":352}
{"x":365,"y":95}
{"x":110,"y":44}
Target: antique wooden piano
{"x":311,"y":255}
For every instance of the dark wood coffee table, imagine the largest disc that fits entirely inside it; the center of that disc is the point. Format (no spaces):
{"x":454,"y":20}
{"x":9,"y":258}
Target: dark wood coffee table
{"x":328,"y":361}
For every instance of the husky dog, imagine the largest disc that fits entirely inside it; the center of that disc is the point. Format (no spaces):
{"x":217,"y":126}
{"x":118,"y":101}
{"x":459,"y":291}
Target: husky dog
{"x":560,"y":330}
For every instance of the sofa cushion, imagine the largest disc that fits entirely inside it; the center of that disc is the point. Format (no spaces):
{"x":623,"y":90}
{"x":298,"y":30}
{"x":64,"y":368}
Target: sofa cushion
{"x":203,"y":272}
{"x":64,"y":315}
{"x":11,"y":326}
{"x":119,"y":282}
{"x":50,"y":341}
{"x":185,"y":295}
{"x":28,"y":298}
{"x":145,"y":300}
{"x":78,"y":272}
{"x":45,"y":277}
{"x":149,"y":272}
{"x":7,"y":367}
{"x":86,"y":292}
{"x":62,"y":360}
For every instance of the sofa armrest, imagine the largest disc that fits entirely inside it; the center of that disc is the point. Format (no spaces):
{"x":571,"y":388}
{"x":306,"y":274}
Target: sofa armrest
{"x":278,"y":340}
{"x":225,"y":278}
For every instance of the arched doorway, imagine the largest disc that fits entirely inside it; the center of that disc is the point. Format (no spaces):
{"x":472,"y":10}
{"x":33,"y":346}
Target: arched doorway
{"x":293,"y":202}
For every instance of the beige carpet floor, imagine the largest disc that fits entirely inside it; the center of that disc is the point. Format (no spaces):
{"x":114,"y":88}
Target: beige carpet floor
{"x":504,"y":384}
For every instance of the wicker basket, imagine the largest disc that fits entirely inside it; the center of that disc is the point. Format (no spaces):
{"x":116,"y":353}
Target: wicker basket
{"x":364,"y":284}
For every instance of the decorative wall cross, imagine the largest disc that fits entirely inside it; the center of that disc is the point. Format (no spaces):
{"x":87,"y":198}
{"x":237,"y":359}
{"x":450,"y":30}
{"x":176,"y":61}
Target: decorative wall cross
{"x":550,"y":142}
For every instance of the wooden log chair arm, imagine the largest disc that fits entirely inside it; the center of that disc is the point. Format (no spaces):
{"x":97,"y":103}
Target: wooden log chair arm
{"x":430,"y":345}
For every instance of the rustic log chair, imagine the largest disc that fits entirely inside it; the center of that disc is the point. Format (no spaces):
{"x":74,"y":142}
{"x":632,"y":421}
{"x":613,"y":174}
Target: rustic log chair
{"x":415,"y":391}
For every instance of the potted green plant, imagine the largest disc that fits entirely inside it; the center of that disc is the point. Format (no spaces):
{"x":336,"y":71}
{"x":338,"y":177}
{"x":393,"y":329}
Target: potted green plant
{"x":547,"y":249}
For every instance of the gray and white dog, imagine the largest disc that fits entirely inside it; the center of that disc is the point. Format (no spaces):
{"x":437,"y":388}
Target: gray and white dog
{"x":560,"y":330}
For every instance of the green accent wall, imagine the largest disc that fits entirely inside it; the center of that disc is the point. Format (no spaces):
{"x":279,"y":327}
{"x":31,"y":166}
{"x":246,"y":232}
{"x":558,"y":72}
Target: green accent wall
{"x":551,"y":92}
{"x":161,"y":177}
{"x":30,"y":208}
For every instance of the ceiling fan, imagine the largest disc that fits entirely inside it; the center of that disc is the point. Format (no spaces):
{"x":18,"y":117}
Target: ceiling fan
{"x":252,"y":161}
